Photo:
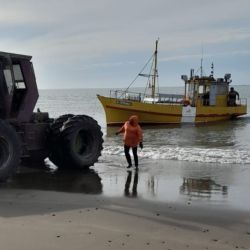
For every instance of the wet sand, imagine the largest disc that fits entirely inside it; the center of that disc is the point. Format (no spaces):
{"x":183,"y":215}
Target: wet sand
{"x":56,"y":220}
{"x":40,"y":209}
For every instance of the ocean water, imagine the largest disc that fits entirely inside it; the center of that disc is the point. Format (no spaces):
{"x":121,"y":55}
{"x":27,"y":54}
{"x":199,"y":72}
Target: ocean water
{"x":204,"y":164}
{"x":222,"y":142}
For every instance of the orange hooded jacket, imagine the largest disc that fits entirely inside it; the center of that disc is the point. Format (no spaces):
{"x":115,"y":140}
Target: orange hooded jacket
{"x":132,"y":132}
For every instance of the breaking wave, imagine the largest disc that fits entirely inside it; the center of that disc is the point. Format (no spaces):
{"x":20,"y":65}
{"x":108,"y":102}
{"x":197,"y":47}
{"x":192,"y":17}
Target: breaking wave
{"x":208,"y":155}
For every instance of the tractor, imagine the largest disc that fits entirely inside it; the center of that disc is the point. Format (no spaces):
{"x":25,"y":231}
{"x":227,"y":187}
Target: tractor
{"x":69,"y":141}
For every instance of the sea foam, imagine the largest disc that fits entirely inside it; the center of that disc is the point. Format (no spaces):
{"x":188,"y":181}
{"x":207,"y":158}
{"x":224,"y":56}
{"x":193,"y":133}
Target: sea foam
{"x":191,"y":154}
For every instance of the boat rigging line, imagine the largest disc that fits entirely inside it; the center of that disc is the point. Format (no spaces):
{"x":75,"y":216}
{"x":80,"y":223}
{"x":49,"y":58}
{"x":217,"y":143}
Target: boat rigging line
{"x":139,"y":73}
{"x":153,"y":73}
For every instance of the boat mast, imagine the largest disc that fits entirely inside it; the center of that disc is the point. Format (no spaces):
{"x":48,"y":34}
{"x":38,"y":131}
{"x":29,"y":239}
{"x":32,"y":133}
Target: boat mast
{"x":155,"y":73}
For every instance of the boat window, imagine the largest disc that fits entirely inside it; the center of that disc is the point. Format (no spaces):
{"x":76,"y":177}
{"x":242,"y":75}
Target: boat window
{"x":222,"y":89}
{"x":191,"y":90}
{"x":212,"y":96}
{"x":201,"y":89}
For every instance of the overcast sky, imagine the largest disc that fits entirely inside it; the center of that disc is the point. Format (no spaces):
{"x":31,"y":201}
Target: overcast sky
{"x":105,"y":43}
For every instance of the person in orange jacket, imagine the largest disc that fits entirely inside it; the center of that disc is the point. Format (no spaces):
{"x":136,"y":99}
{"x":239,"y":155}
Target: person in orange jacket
{"x":132,"y":138}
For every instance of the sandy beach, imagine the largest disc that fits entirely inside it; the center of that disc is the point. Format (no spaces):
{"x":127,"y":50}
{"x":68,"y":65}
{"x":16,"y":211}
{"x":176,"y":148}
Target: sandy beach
{"x":72,"y":73}
{"x":51,"y":219}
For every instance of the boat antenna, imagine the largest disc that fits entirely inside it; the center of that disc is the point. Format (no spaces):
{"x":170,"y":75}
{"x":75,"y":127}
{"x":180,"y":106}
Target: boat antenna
{"x":202,"y":60}
{"x":212,"y":70}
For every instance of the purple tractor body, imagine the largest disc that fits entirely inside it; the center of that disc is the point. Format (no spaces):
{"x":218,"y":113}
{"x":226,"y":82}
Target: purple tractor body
{"x":73,"y":141}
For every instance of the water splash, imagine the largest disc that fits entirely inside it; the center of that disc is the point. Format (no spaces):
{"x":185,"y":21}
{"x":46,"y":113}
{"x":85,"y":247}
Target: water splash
{"x":191,"y":154}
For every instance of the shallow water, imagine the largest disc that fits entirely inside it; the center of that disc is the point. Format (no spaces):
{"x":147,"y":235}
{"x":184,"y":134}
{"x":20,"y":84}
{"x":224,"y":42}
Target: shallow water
{"x":168,"y":181}
{"x":205,"y":164}
{"x":180,"y":181}
{"x":227,"y":142}
{"x":222,"y":142}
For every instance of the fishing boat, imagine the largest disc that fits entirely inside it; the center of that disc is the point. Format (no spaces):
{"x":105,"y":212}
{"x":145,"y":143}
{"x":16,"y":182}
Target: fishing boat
{"x":204,"y":99}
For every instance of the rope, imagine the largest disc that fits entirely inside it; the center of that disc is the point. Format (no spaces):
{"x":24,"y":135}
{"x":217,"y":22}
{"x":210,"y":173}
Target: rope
{"x":140,"y":72}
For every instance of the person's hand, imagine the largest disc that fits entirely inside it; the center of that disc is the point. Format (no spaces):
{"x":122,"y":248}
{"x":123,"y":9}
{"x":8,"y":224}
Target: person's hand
{"x":141,"y":145}
{"x":116,"y":133}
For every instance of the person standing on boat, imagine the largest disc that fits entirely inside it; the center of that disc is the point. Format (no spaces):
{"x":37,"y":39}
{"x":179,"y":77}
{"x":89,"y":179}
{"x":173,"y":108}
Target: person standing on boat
{"x":232,"y":97}
{"x":132,"y":138}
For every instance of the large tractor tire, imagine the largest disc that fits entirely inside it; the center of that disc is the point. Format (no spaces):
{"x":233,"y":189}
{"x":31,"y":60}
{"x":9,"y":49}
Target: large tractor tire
{"x":10,"y":151}
{"x":81,"y":142}
{"x":58,"y":123}
{"x":55,"y":145}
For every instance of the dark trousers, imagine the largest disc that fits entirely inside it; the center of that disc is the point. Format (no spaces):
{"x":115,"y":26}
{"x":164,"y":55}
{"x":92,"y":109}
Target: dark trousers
{"x":232,"y":101}
{"x":126,"y":151}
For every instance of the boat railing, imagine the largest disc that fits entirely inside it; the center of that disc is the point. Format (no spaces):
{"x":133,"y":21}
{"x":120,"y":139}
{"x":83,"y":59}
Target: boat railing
{"x":170,"y":98}
{"x":128,"y":95}
{"x":238,"y":102}
{"x":136,"y":96}
{"x":241,"y":101}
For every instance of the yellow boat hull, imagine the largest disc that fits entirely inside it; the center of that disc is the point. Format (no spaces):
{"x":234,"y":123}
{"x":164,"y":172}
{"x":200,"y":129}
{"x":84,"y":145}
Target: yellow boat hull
{"x":119,"y":110}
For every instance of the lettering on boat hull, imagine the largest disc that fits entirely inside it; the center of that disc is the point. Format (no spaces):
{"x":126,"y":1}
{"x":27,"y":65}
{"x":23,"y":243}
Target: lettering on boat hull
{"x":124,"y":102}
{"x":188,"y":114}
